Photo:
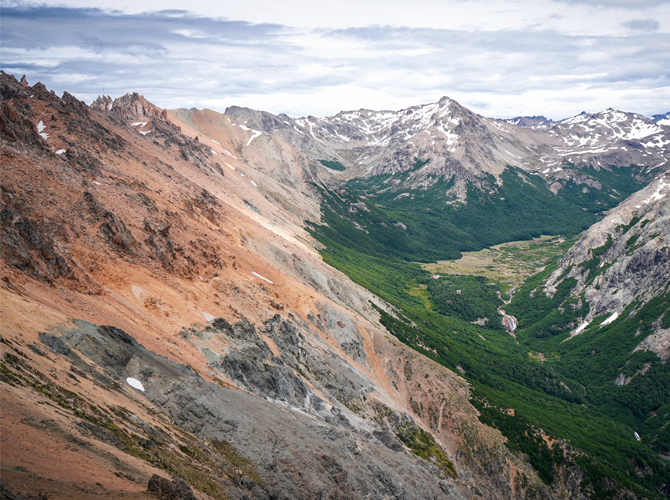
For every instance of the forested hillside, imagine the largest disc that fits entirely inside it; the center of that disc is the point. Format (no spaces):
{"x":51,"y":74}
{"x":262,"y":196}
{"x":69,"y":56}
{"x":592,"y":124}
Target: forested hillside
{"x":539,"y":390}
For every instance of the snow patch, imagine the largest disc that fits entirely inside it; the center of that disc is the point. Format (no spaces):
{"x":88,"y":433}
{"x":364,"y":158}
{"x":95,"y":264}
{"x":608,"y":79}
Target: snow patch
{"x":312,"y":132}
{"x":139,"y":124}
{"x":229,"y":165}
{"x":657,"y":195}
{"x":60,"y":151}
{"x":451,"y":136}
{"x":135,"y":384}
{"x":610,"y":319}
{"x":214,"y":152}
{"x":217,"y":142}
{"x":580,"y":329}
{"x":256,"y":134}
{"x":208,"y":317}
{"x":262,"y":277}
{"x":254,"y":183}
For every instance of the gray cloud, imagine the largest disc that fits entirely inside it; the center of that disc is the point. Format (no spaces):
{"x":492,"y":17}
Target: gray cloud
{"x":178,"y":59}
{"x":642,"y":25}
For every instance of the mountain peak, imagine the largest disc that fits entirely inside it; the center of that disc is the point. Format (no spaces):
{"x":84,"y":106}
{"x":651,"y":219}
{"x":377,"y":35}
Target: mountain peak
{"x":131,"y":105}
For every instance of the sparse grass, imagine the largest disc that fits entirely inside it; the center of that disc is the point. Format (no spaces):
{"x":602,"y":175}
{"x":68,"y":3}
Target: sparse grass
{"x":423,"y":445}
{"x":421,"y":292}
{"x":237,"y":460}
{"x":507,"y":263}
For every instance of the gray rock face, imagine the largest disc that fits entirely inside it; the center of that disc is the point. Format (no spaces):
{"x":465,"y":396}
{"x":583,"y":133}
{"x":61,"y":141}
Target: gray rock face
{"x":297,"y":454}
{"x":625,"y":257}
{"x":310,"y":422}
{"x":534,"y":122}
{"x":661,"y":118}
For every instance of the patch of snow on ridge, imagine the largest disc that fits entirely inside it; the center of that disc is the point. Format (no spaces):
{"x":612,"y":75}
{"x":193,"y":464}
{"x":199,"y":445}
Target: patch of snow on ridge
{"x":135,"y":384}
{"x":580,"y":329}
{"x":208,"y":317}
{"x":657,"y":195}
{"x":60,"y":151}
{"x":262,"y":277}
{"x":229,"y":165}
{"x":140,"y":124}
{"x":451,"y":136}
{"x":610,"y":319}
{"x":641,"y":129}
{"x":40,"y":127}
{"x":343,"y":137}
{"x":256,"y":134}
{"x":216,"y":142}
{"x":312,"y":132}
{"x":576,"y":119}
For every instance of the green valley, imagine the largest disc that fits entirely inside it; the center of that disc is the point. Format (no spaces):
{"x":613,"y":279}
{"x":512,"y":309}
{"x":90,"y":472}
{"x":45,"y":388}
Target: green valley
{"x":536,"y":388}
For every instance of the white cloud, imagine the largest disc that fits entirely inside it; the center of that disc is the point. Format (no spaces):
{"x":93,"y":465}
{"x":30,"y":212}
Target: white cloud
{"x":179,"y":59}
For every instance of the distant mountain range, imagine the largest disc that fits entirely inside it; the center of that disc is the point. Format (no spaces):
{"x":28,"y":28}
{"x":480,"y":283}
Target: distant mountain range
{"x":451,"y":139}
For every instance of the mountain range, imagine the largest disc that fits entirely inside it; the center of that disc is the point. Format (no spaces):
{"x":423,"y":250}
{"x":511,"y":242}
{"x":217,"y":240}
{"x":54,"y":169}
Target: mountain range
{"x":238,"y":305}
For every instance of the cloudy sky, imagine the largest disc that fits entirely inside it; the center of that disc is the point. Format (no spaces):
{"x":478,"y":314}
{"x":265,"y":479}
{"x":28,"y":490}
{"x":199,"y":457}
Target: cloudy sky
{"x":314,"y":57}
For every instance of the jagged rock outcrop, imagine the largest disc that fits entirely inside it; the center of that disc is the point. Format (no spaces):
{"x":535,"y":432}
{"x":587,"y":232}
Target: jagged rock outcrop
{"x":177,"y":489}
{"x":129,"y":106}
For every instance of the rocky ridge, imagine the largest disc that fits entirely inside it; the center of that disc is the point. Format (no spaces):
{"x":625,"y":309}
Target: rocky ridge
{"x":534,"y":122}
{"x":624,"y":258}
{"x":456,"y":143}
{"x":663,"y":119}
